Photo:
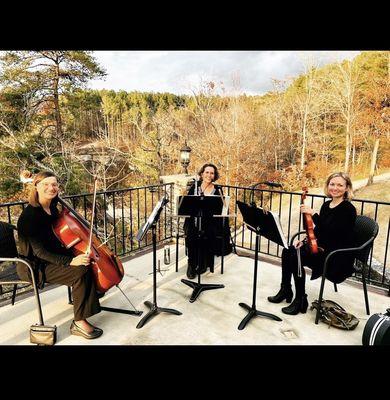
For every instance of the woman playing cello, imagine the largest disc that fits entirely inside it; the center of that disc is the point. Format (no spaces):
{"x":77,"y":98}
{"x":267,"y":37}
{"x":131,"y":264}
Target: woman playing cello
{"x":333,"y":230}
{"x":52,"y":262}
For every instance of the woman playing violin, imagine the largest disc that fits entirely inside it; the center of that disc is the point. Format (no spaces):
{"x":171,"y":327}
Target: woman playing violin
{"x":333,"y":230}
{"x":52,"y":262}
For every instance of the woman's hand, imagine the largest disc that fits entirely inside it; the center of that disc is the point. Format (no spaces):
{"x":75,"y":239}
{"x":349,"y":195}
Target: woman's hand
{"x":299,"y":244}
{"x":81,"y":259}
{"x":306,"y":209}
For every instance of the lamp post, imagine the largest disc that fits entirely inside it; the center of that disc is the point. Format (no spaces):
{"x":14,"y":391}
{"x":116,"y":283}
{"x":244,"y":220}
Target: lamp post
{"x":185,"y":157}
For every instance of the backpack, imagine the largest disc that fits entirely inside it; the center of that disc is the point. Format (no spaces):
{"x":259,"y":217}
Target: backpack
{"x":334,"y":315}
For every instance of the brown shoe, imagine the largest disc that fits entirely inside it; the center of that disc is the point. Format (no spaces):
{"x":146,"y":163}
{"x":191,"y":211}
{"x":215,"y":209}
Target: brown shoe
{"x":76,"y":330}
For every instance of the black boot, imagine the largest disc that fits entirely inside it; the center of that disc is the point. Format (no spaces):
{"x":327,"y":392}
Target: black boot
{"x":299,"y":304}
{"x":191,"y":274}
{"x":285,"y":293}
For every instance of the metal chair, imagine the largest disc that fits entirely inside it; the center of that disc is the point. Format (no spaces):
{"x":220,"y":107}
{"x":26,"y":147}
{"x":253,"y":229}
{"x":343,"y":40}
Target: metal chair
{"x":8,"y":275}
{"x":365,"y":232}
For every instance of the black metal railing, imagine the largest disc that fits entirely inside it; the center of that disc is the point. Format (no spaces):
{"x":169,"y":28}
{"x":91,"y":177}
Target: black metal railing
{"x":286,"y":206}
{"x":118,"y":217}
{"x":121,"y":213}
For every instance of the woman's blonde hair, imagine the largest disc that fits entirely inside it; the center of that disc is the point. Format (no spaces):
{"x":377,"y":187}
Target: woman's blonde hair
{"x":349,"y":193}
{"x":33,"y":198}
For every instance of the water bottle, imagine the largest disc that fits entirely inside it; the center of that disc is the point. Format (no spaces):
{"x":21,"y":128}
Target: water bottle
{"x":167,"y":255}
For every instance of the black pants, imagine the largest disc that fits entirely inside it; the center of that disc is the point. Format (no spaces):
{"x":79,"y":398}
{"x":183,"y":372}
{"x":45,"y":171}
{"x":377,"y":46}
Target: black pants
{"x":200,"y":244}
{"x":290,"y":267}
{"x":339,"y":269}
{"x":200,"y":255}
{"x":80,"y":278}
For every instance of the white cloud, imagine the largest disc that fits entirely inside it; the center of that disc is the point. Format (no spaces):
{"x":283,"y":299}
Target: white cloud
{"x":179,"y":71}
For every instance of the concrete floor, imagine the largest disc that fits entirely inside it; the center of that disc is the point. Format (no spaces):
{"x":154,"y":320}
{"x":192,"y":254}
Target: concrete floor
{"x":211,"y":320}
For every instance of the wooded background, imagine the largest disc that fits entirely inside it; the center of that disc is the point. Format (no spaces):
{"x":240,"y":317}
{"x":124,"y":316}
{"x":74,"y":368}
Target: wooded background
{"x":330,"y":118}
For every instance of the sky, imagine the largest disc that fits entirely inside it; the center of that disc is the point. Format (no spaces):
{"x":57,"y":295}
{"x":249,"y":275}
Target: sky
{"x":182,"y":72}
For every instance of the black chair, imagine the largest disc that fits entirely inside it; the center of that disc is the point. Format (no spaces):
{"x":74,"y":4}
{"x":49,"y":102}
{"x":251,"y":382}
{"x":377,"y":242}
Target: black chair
{"x":365,"y":232}
{"x":8,"y":275}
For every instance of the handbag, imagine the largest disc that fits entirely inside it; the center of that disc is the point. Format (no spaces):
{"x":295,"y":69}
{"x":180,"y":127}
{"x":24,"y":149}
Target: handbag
{"x":334,"y":315}
{"x":43,"y":335}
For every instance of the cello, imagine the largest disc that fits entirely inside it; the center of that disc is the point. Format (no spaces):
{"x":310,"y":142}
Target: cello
{"x":309,"y":226}
{"x":75,"y":233}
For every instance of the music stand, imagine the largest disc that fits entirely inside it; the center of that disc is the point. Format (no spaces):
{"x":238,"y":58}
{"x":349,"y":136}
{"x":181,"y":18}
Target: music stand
{"x":199,"y":207}
{"x":262,"y":224}
{"x":152,"y":223}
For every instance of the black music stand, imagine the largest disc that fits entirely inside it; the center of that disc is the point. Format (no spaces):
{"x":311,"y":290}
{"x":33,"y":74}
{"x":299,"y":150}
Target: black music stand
{"x":262,"y":224}
{"x":198,"y":207}
{"x":152,"y":223}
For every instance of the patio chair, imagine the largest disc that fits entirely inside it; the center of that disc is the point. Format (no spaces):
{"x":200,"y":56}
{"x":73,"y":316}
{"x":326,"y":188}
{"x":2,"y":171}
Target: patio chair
{"x":365,"y":232}
{"x":8,"y":274}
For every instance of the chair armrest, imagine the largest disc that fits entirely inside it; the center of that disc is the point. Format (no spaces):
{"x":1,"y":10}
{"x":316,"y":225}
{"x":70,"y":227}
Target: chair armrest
{"x":293,"y":237}
{"x":16,"y":260}
{"x":346,"y":250}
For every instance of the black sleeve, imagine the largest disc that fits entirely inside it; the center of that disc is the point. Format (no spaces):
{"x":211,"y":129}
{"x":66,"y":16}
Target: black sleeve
{"x":191,"y":190}
{"x":218,"y":190}
{"x":29,"y":229}
{"x":317,"y":216}
{"x":27,"y":223}
{"x":316,"y":219}
{"x":45,"y":255}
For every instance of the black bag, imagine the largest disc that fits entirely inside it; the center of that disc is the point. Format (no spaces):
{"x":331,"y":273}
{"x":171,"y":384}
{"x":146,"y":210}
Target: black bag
{"x":43,"y":335}
{"x":377,"y":330}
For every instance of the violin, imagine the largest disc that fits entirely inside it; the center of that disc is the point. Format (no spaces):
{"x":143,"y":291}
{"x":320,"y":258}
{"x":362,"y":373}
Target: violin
{"x":309,"y":226}
{"x":76,"y":233}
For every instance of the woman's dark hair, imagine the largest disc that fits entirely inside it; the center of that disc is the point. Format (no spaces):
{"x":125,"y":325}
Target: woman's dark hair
{"x":33,"y":196}
{"x":216,"y":173}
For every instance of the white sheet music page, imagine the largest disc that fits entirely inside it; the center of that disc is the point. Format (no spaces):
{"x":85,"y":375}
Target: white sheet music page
{"x":225,"y":208}
{"x":280,"y":229}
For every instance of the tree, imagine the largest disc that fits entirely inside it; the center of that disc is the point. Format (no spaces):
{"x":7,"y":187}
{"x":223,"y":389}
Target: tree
{"x":343,"y":97}
{"x":375,"y":119}
{"x":45,"y":75}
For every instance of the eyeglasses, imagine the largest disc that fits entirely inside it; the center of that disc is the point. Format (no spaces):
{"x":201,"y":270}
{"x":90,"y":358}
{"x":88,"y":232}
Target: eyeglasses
{"x":46,"y":185}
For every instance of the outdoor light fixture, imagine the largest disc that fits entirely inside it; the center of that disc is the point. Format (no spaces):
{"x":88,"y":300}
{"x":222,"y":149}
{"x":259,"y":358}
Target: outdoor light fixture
{"x":185,"y":157}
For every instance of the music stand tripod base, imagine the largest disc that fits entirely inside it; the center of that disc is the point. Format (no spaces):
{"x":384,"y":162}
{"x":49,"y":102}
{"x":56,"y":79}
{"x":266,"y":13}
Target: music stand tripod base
{"x":199,"y":287}
{"x":251,"y":216}
{"x":121,"y":311}
{"x":252,"y":312}
{"x":154,"y":310}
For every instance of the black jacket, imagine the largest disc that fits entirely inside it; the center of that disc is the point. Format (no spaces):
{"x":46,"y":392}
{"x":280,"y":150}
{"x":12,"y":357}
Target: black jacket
{"x":334,"y":229}
{"x":334,"y":226}
{"x":37,"y":240}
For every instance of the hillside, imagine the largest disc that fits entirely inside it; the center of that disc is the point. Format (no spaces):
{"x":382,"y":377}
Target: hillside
{"x":378,"y":191}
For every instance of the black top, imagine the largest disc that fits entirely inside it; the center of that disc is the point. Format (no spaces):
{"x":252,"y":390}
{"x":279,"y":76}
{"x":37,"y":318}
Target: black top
{"x":334,"y":226}
{"x":37,"y":238}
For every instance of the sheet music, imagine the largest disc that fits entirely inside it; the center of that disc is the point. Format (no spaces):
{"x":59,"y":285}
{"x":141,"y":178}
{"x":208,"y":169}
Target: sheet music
{"x":263,"y":222}
{"x":144,"y":228}
{"x":155,"y":210}
{"x":280,"y":229}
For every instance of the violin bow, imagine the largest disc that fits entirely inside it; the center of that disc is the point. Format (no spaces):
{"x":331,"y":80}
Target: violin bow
{"x":93,"y":216}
